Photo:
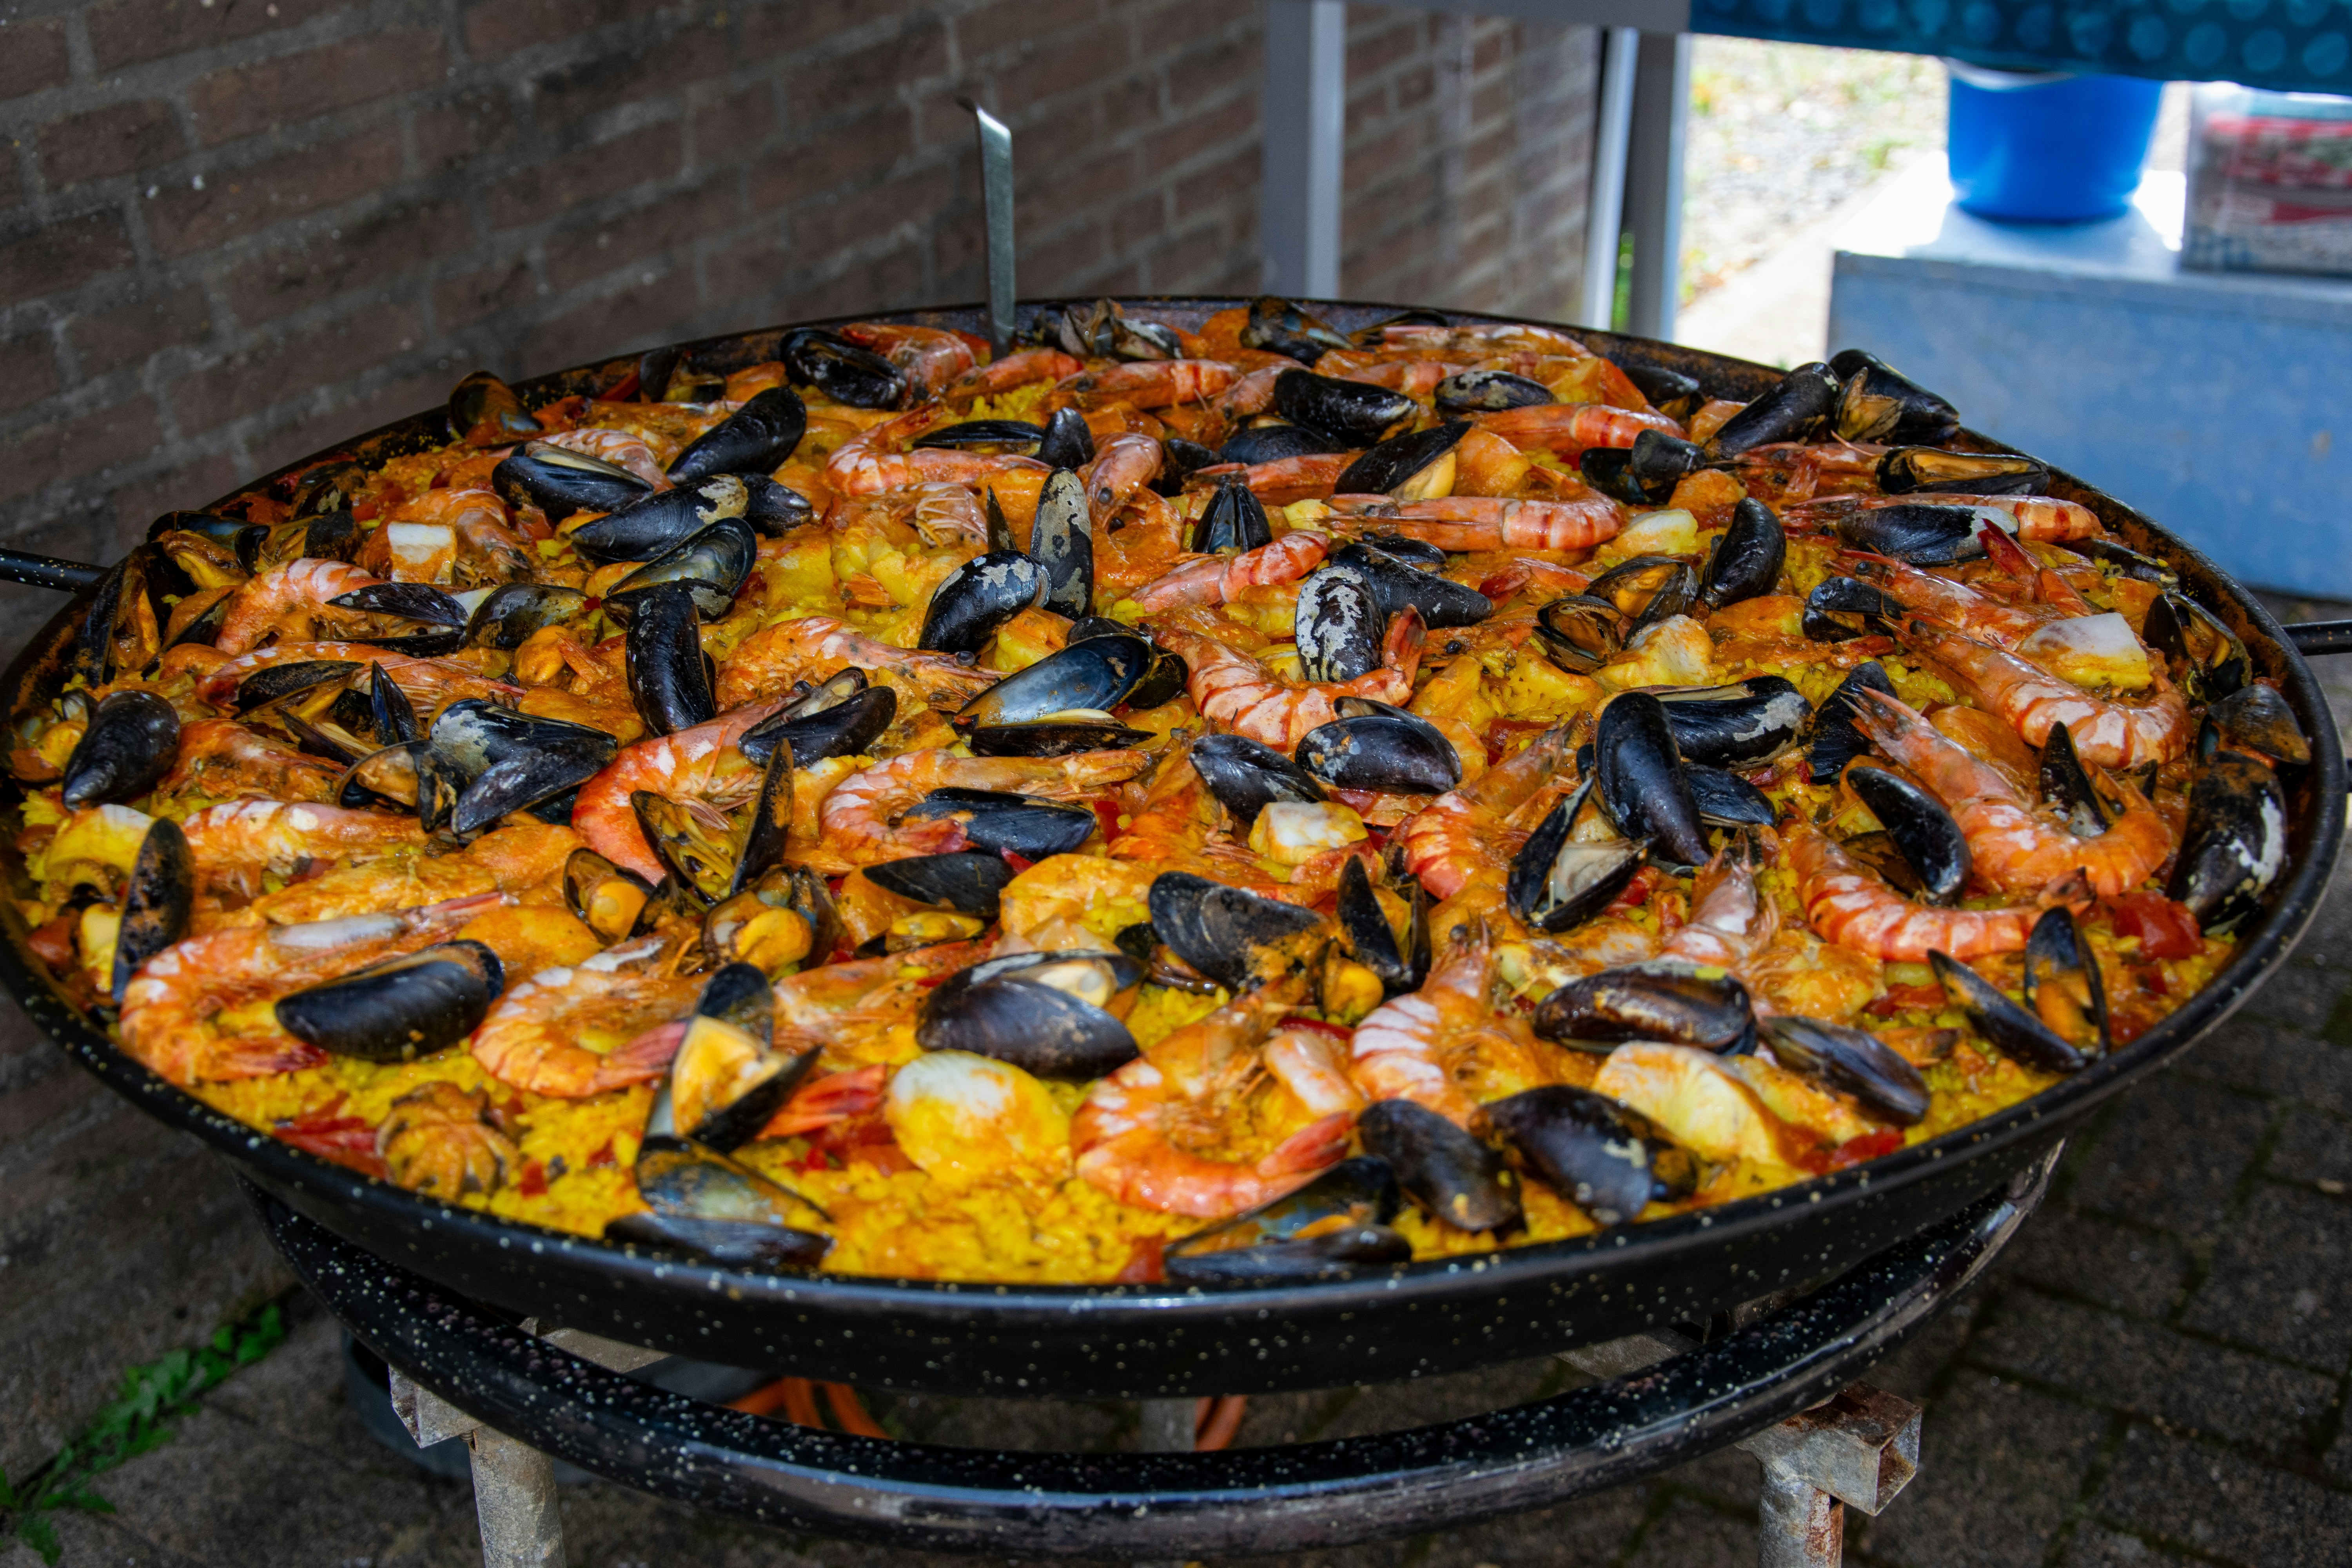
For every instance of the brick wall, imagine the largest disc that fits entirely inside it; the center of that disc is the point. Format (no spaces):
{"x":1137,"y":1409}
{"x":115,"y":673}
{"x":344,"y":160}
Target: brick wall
{"x":232,"y":231}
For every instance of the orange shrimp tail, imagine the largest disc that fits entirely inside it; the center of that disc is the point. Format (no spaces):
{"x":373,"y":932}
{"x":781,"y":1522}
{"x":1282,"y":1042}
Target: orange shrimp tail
{"x":1311,"y":1149}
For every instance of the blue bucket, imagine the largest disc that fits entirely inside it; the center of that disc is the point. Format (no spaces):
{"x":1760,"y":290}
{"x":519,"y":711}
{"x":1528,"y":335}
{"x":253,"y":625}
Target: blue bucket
{"x":2047,"y":149}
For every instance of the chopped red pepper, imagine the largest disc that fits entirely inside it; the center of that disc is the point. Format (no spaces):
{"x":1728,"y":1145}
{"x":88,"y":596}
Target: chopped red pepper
{"x":346,"y":1141}
{"x":1145,"y":1264}
{"x":1905,"y":999}
{"x":622,"y":391}
{"x":1107,"y":813}
{"x":603,"y":1156}
{"x":2166,"y":930}
{"x":1869,"y":1146}
{"x":533,"y":1181}
{"x":1295,"y":1022}
{"x":1637,"y":891}
{"x":1019,"y":863}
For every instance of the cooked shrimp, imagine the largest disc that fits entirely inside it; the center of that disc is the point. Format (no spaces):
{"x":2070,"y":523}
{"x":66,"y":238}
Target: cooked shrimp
{"x":1416,"y":378}
{"x":815,"y":647}
{"x":833,"y":1002}
{"x":1252,"y":394}
{"x":868,"y":463}
{"x":1490,"y":522}
{"x":1122,"y":467}
{"x":823,"y":1100}
{"x":205,"y":1010}
{"x":526,"y":859}
{"x":1572,"y":429}
{"x":294,"y":594}
{"x":1133,"y":1135}
{"x":1731,"y":919}
{"x":932,"y":359}
{"x":859,"y":817}
{"x":1483,"y":338}
{"x":1284,"y":480}
{"x":440,"y":1141}
{"x":1233,"y":690}
{"x":221,"y":758}
{"x":2043,"y":519}
{"x":1544,"y":580}
{"x":621,"y":449}
{"x":1852,"y":907}
{"x":1215,"y":579}
{"x":253,"y":836}
{"x":1955,"y":605}
{"x":581,"y":1030}
{"x":1473,"y":832}
{"x":2032,"y":701}
{"x":1022,"y":369}
{"x":1443,"y":1046}
{"x":2012,"y":847}
{"x":429,"y":683}
{"x":702,"y":764}
{"x":1153,"y":384}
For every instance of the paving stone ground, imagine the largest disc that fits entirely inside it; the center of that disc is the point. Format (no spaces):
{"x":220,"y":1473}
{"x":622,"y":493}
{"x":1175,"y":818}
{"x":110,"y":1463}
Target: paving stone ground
{"x":2155,"y":1374}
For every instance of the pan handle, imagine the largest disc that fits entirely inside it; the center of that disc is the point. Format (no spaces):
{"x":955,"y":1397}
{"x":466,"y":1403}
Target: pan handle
{"x":2312,"y":638}
{"x":48,"y":571}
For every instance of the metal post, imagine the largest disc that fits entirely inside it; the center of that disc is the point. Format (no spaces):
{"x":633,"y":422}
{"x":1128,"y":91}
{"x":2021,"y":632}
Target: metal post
{"x":1798,"y":1524}
{"x":1604,"y":213}
{"x":1168,"y":1426}
{"x":996,"y":200}
{"x":1653,"y":194}
{"x":514,"y":1501}
{"x":1305,"y":120}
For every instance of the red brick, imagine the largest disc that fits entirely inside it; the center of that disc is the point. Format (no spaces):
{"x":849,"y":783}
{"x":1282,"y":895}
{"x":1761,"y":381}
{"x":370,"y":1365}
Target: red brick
{"x":1135,"y":222}
{"x":1414,"y":87}
{"x":32,"y":55}
{"x":1092,"y":56}
{"x":29,"y":371}
{"x":12,"y":183}
{"x":110,"y":141}
{"x":637,"y":317}
{"x":1012,"y":25}
{"x":1182,"y":263}
{"x":861,"y":219}
{"x":242,"y":200}
{"x":292,"y":88}
{"x":876,"y":283}
{"x":846,"y":155}
{"x":735,"y":127}
{"x":502,"y":27}
{"x":458,"y":302}
{"x":473,"y":126}
{"x":748,"y":267}
{"x":1060,"y":262}
{"x":598,"y":82}
{"x":316,"y":267}
{"x":1134,"y":103}
{"x":1178,"y":26}
{"x":128,"y":332}
{"x":84,"y":444}
{"x":63,"y":254}
{"x":575,"y":256}
{"x":186,"y":489}
{"x":1216,"y":76}
{"x":862,"y":78}
{"x":261,"y":377}
{"x":1215,"y":186}
{"x":319,"y":432}
{"x":127,"y":30}
{"x":1374,"y":45}
{"x":783,"y":26}
{"x":585,"y":175}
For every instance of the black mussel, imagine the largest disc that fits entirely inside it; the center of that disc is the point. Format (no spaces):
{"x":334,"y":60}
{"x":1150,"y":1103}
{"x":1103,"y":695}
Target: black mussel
{"x":1375,"y":333}
{"x":1557,"y":882}
{"x":1580,"y":633}
{"x":1002,"y":822}
{"x":1235,"y":518}
{"x":508,"y":762}
{"x":607,"y":898}
{"x":1335,"y":1222}
{"x":1930,"y":841}
{"x":661,"y":522}
{"x":1851,"y":1061}
{"x":1048,"y":1014}
{"x":1442,"y":1168}
{"x":1599,"y":1155}
{"x":2208,"y":659}
{"x":1842,"y":607}
{"x":334,"y":536}
{"x":1745,"y":561}
{"x":513,"y":611}
{"x":2254,"y":717}
{"x":653,"y":369}
{"x":845,"y":728}
{"x":1385,"y":750}
{"x":1247,"y":776}
{"x":1922,"y":533}
{"x":2014,"y":1031}
{"x":1610,"y":470}
{"x":236,"y":536}
{"x":1665,"y":999}
{"x":1162,"y":682}
{"x":977,"y":597}
{"x":1415,"y":467}
{"x":1094,"y":673}
{"x":559,"y":481}
{"x":1179,"y":461}
{"x":726,"y":1243}
{"x":1835,"y":739}
{"x":277,"y":682}
{"x":2234,"y":845}
{"x":156,"y":901}
{"x":1064,"y":735}
{"x":1355,"y":412}
{"x":1659,"y":461}
{"x":1016,"y":436}
{"x":767,"y":831}
{"x":1401,"y":965}
{"x":1131,"y":339}
{"x":713,"y":565}
{"x":966,"y":881}
{"x":131,"y":743}
{"x":1281,"y":327}
{"x":436,"y":784}
{"x":783,"y":919}
{"x":391,"y":716}
{"x":1236,"y":938}
{"x":1274,"y":441}
{"x":755,"y":439}
{"x":1398,"y":585}
{"x":403,"y":1008}
{"x":1418,"y":553}
{"x":2067,"y":788}
{"x":697,"y":845}
{"x":705,"y":1203}
{"x":330,"y":487}
{"x":1876,"y":852}
{"x":841,"y":370}
{"x":1725,"y":800}
{"x":1338,"y":625}
{"x":1646,"y":589}
{"x":2063,"y":986}
{"x":1489,"y":392}
{"x":1062,"y":540}
{"x":409,"y":601}
{"x":1908,"y":470}
{"x":420,"y":645}
{"x":2127,"y":561}
{"x":485,"y":412}
{"x":205,"y":630}
{"x":774,"y":510}
{"x":728,"y":1081}
{"x":1795,"y":407}
{"x":1742,"y":725}
{"x":1670,"y":391}
{"x":1881,"y":404}
{"x":669,"y":676}
{"x":1087,"y":626}
{"x":1643,"y":786}
{"x":121,"y":635}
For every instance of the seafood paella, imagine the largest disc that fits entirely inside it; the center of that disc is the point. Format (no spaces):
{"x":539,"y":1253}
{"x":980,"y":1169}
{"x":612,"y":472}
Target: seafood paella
{"x":1198,"y":799}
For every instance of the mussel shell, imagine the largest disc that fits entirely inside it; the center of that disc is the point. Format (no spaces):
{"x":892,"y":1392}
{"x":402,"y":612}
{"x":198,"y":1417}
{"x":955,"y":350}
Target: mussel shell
{"x":484,"y":411}
{"x":1745,"y":559}
{"x":1599,"y":1155}
{"x":841,"y":370}
{"x":1908,"y":470}
{"x":1373,"y":941}
{"x":1355,"y":412}
{"x":1835,"y":739}
{"x":1280,"y":326}
{"x":400,"y":1009}
{"x":1398,"y":585}
{"x":2061,"y":981}
{"x":1247,"y":776}
{"x":1442,"y":1168}
{"x":1418,"y":553}
{"x":680,"y":1180}
{"x":1402,"y":462}
{"x":1851,"y":1061}
{"x":1842,"y":607}
{"x":2127,"y":561}
{"x":1929,"y":839}
{"x":474,"y":735}
{"x":514,"y":611}
{"x":559,"y":481}
{"x":277,"y":682}
{"x":1670,"y":391}
{"x":774,"y":510}
{"x":983,"y":434}
{"x":2016,"y":1032}
{"x":977,"y":597}
{"x":738,"y":993}
{"x":727,"y":1243}
{"x":1795,"y":406}
{"x":1015,"y":1010}
{"x":334,"y":536}
{"x":118,"y":637}
{"x":1557,"y":882}
{"x":1097,"y":673}
{"x":1726,"y":800}
{"x":520,"y":784}
{"x":1610,"y":470}
{"x":1391,"y":752}
{"x":713,"y":565}
{"x":1162,"y":682}
{"x":755,"y":440}
{"x":1235,"y":518}
{"x":1274,"y":442}
{"x":1375,"y":333}
{"x":847,"y":729}
{"x":1051,"y":738}
{"x":1179,"y":461}
{"x":1646,"y":589}
{"x":157,"y":900}
{"x":1666,"y":1000}
{"x":731,"y":1084}
{"x":2210,"y":661}
{"x":1738,"y":726}
{"x":963,"y":880}
{"x":669,"y":679}
{"x":1347,"y":1207}
{"x":1659,"y":462}
{"x":1062,"y":540}
{"x":2234,"y":844}
{"x":1338,"y":625}
{"x":131,"y":743}
{"x":607,"y":898}
{"x":1580,"y":633}
{"x":1000,"y":823}
{"x":1229,"y":934}
{"x":1880,"y":404}
{"x":698,"y":852}
{"x":1066,"y":441}
{"x":661,"y":522}
{"x":2066,"y":786}
{"x":1489,"y":392}
{"x":2254,"y":717}
{"x":1642,"y":785}
{"x":409,"y":601}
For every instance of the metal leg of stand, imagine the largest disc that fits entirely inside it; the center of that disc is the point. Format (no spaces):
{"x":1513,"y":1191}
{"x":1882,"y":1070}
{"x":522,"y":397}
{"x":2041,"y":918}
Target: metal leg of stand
{"x":1604,"y":214}
{"x":1167,"y":1428}
{"x":1304,"y":115}
{"x":1800,"y":1526}
{"x":1654,"y":181}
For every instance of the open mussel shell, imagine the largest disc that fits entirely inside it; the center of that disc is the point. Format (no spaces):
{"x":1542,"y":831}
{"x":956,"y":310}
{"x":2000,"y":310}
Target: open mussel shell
{"x":1274,"y":441}
{"x":334,"y":536}
{"x":131,"y":743}
{"x":1062,"y":541}
{"x":1282,"y":327}
{"x":1489,"y":392}
{"x":669,"y":673}
{"x":773,"y":509}
{"x":1742,"y":725}
{"x":512,"y":612}
{"x":1930,"y":841}
{"x":1000,"y":822}
{"x":2128,"y":562}
{"x":1796,"y":406}
{"x":755,"y":439}
{"x":1017,"y":435}
{"x":1665,"y":999}
{"x":1333,"y":1224}
{"x":1670,"y":391}
{"x":766,"y":832}
{"x":1236,"y":938}
{"x":1602,"y":1156}
{"x":1642,"y":785}
{"x":696,"y":845}
{"x":1398,"y":585}
{"x":1842,"y":607}
{"x":1163,"y":682}
{"x":1338,"y":625}
{"x":841,"y":370}
{"x":120,"y":633}
{"x":1066,"y":441}
{"x":2234,"y":844}
{"x":2254,"y":717}
{"x":476,"y":736}
{"x":1909,"y":470}
{"x":966,"y":881}
{"x":1835,"y":739}
{"x":1372,"y":940}
{"x":157,"y":900}
{"x":1745,"y":561}
{"x":2063,"y":986}
{"x":707,"y":1205}
{"x":1386,"y":750}
{"x":1096,"y":673}
{"x":1646,"y":589}
{"x":607,"y":899}
{"x":1580,"y":633}
{"x":726,"y":1083}
{"x":712,"y":566}
{"x":1851,"y":1061}
{"x":2208,"y":659}
{"x":1045,"y":1013}
{"x":407,"y":601}
{"x":1418,"y":466}
{"x":1441,"y":1167}
{"x":1246,"y":776}
{"x":484,"y":411}
{"x":1922,"y":533}
{"x":660,"y":522}
{"x":559,"y":481}
{"x":2067,"y":787}
{"x":1418,"y":553}
{"x":1881,"y":404}
{"x":277,"y":682}
{"x":1725,"y":800}
{"x":783,"y":919}
{"x":1355,"y":412}
{"x":2011,"y":1030}
{"x":1610,"y":470}
{"x":977,"y":597}
{"x":1063,"y":735}
{"x":1557,"y":882}
{"x":842,"y":718}
{"x":520,"y":784}
{"x":1233,"y":519}
{"x":726,"y":1243}
{"x":400,"y":1009}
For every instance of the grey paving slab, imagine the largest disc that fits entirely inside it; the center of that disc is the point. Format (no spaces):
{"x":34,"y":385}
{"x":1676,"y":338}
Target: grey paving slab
{"x":1692,"y":1535}
{"x":2001,"y":1469}
{"x":2278,"y":1277}
{"x":2265,"y":1058}
{"x":2218,"y":1503}
{"x":2172,"y":1155}
{"x":2095,"y":1258}
{"x":2095,"y":1546}
{"x":2314,"y":1147}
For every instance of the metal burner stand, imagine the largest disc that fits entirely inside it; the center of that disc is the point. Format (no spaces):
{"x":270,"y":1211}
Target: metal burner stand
{"x":1780,"y":1387}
